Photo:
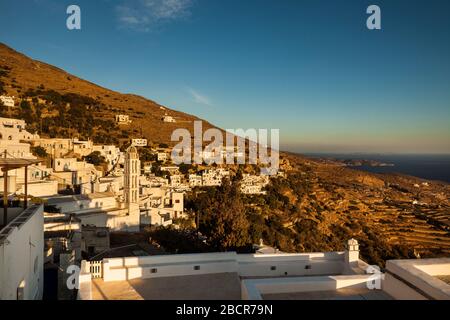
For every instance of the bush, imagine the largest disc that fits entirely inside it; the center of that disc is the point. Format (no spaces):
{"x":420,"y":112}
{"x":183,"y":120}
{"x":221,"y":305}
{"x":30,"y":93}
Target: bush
{"x":95,"y":158}
{"x":39,"y":152}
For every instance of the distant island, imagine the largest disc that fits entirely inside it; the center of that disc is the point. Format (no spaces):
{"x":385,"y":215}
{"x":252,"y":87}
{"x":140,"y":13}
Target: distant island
{"x":367,"y":163}
{"x":361,"y":163}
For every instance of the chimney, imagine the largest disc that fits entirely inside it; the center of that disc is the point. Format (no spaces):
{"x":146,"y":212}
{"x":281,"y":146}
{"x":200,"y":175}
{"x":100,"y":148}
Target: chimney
{"x":352,"y":252}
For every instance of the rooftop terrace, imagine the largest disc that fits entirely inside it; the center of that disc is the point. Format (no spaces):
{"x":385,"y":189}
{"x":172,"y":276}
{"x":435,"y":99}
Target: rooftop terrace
{"x":198,"y":287}
{"x":231,"y":276}
{"x":339,"y":294}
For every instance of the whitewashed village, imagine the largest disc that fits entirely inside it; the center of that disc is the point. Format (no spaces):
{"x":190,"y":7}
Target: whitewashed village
{"x":65,"y":199}
{"x":81,"y":201}
{"x":218,"y":157}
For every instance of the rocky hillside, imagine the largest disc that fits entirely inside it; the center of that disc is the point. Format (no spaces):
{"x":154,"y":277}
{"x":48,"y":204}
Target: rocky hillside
{"x":316,"y":207}
{"x":55,"y":95}
{"x":320,"y":204}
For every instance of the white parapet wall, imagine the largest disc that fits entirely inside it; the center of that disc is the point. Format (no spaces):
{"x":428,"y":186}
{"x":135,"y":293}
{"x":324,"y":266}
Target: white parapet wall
{"x":41,"y":188}
{"x":84,"y":282}
{"x":254,"y":289}
{"x":417,"y":279}
{"x":246,"y":265}
{"x":121,"y":269}
{"x":268,"y":265}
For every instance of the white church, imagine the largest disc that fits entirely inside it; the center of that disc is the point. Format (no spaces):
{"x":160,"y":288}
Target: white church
{"x":105,"y":209}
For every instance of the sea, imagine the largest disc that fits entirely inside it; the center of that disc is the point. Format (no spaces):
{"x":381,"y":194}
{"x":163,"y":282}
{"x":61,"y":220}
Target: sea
{"x":431,"y":167}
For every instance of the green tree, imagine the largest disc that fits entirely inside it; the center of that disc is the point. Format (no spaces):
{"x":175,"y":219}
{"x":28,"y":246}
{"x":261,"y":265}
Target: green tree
{"x":223,"y":218}
{"x":39,"y":152}
{"x":163,"y":145}
{"x":184,"y":168}
{"x":95,"y":158}
{"x":156,"y":169}
{"x":26,"y":112}
{"x":145,"y":155}
{"x":3,"y":109}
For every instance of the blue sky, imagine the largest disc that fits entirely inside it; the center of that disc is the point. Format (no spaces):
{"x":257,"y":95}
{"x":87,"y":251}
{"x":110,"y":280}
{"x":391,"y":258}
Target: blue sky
{"x":310,"y":68}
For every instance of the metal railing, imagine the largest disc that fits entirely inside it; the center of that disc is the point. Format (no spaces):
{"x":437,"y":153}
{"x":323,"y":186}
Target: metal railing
{"x":96,"y":269}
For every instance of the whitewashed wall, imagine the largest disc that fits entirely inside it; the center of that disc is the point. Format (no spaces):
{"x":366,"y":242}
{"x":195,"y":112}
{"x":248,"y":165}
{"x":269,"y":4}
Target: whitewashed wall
{"x":254,"y":289}
{"x":244,"y":264}
{"x":416,"y":279}
{"x":168,"y":266}
{"x":267,"y":265}
{"x":41,"y":189}
{"x":21,"y":259}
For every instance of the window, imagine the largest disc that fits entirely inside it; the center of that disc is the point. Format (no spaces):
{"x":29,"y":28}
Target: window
{"x":153,"y":270}
{"x":273,"y":268}
{"x":196,"y":267}
{"x":308,"y":267}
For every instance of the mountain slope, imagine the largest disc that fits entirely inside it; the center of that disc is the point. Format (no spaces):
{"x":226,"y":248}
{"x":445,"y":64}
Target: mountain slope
{"x":318,"y":205}
{"x":22,"y":74}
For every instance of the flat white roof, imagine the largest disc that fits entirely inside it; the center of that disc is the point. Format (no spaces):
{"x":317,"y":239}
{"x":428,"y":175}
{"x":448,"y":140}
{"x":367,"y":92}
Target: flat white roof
{"x":218,"y":286}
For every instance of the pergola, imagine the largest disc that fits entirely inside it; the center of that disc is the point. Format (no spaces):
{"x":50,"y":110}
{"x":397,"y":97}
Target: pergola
{"x":7,"y":164}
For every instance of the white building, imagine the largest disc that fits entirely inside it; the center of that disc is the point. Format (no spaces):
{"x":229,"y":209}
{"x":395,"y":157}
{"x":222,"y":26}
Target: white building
{"x":112,"y":154}
{"x":152,"y":181}
{"x":38,"y":189}
{"x":139,"y":142}
{"x":83,"y":203}
{"x":168,"y":119}
{"x":71,"y":172}
{"x":231,"y":151}
{"x":82,"y":147}
{"x":253,"y":184}
{"x":214,"y":177}
{"x":56,"y":147}
{"x":160,"y":205}
{"x":113,"y":184}
{"x":162,"y":156}
{"x":123,"y":119}
{"x":195,"y":180}
{"x":7,"y":101}
{"x":22,"y":255}
{"x":100,"y":209}
{"x":61,"y":147}
{"x":12,"y":134}
{"x":170,"y":169}
{"x":176,"y":180}
{"x":207,"y":156}
{"x":15,"y":129}
{"x":147,"y":169}
{"x":252,"y":189}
